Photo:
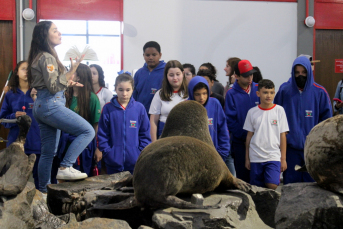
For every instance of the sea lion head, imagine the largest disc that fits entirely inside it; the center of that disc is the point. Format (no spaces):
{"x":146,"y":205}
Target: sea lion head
{"x":188,"y":118}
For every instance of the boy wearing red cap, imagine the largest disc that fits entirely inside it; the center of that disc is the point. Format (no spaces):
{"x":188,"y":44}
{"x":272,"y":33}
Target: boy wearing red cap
{"x":238,"y":101}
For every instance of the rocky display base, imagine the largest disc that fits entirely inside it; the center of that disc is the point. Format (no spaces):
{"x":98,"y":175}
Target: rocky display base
{"x":306,"y":205}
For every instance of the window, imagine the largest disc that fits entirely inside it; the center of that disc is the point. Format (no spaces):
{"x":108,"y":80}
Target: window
{"x":102,"y":36}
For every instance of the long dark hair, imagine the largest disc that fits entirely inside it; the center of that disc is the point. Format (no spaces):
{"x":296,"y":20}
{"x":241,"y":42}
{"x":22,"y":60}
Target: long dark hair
{"x":84,"y":74}
{"x":100,"y":74}
{"x":40,"y":44}
{"x":210,"y":67}
{"x":13,"y":83}
{"x":167,"y":91}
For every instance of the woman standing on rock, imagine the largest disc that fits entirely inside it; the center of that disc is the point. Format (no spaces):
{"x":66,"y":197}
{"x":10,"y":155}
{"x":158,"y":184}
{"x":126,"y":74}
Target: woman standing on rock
{"x":48,"y":76}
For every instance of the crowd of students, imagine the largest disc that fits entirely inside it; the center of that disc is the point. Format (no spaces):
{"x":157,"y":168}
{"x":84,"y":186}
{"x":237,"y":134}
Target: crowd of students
{"x":255,"y":137}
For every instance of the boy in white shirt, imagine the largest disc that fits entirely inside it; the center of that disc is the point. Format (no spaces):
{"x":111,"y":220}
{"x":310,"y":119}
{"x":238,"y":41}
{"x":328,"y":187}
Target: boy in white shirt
{"x":266,"y":139}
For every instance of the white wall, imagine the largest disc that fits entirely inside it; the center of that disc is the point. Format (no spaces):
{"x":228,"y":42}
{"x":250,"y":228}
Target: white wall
{"x":196,"y":31}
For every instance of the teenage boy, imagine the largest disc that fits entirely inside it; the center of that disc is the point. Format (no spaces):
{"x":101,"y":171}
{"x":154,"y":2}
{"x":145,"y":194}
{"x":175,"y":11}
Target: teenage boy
{"x":199,"y":91}
{"x":210,"y":78}
{"x":238,"y":101}
{"x":306,"y":104}
{"x":148,"y":79}
{"x":266,"y":139}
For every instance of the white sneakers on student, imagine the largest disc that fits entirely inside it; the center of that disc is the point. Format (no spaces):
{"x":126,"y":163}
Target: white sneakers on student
{"x":70,"y":174}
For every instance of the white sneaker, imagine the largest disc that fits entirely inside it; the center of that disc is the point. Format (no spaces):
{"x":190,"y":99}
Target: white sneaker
{"x":70,"y":174}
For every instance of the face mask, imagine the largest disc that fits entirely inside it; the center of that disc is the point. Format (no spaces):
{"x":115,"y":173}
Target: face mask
{"x":301,"y":81}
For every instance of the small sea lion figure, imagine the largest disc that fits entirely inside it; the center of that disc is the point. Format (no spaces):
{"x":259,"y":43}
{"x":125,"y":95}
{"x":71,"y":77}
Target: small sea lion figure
{"x":324,"y":154}
{"x":183,"y":160}
{"x":15,"y":165}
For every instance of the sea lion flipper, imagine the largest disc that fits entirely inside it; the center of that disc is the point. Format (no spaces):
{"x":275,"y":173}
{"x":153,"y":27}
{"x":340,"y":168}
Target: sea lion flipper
{"x":242,"y":185}
{"x":298,"y":168}
{"x":125,"y":204}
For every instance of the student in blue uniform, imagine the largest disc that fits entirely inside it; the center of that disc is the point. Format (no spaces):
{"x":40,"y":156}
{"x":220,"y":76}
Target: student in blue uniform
{"x":148,"y":79}
{"x":199,"y":91}
{"x":18,"y":102}
{"x":238,"y":101}
{"x":306,"y":104}
{"x":124,"y":128}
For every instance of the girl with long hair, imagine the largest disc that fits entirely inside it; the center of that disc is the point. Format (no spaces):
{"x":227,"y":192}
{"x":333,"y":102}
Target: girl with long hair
{"x":48,"y":76}
{"x":83,"y":101}
{"x":173,"y":91}
{"x":104,"y":94}
{"x":18,"y":102}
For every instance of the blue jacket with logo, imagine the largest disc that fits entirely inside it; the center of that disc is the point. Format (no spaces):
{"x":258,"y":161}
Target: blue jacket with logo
{"x":216,"y":119}
{"x":14,"y":102}
{"x":304,"y":110}
{"x":147,"y":84}
{"x":237,"y":105}
{"x":123,"y":134}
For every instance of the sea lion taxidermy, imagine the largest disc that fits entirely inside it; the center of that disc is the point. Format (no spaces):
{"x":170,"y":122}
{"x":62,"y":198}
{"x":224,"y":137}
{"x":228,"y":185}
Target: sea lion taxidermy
{"x":184,"y":160}
{"x":323,"y":154}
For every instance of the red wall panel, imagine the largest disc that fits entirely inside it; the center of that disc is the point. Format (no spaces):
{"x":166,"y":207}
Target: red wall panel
{"x":7,"y":10}
{"x":103,"y":10}
{"x":328,"y":14}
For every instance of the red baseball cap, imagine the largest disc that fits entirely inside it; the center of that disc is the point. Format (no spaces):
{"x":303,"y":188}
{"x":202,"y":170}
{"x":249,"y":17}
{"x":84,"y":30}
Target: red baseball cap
{"x":245,"y":68}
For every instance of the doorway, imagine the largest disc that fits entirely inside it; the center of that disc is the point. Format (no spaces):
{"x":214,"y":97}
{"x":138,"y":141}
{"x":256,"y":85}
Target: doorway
{"x":328,"y":48}
{"x":6,"y":64}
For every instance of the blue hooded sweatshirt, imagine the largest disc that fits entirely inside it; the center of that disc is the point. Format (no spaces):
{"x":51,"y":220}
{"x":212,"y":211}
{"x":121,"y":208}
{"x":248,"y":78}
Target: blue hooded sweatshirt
{"x":14,"y":102}
{"x":147,"y":84}
{"x":237,"y":105}
{"x":122,"y":134}
{"x":216,"y":119}
{"x":304,"y":109}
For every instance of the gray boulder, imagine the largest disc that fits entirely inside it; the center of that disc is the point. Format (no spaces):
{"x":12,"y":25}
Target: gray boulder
{"x":41,"y":215}
{"x":96,"y":223}
{"x":61,"y":197}
{"x":237,"y":210}
{"x":266,"y":201}
{"x":15,"y":211}
{"x":306,"y":205}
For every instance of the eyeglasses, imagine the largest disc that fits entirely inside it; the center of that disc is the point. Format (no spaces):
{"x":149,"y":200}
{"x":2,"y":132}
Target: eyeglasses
{"x":188,"y":74}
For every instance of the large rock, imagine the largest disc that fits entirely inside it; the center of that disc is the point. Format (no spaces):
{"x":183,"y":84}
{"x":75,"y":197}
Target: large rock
{"x":133,"y":216}
{"x":237,"y":211}
{"x":96,"y":223}
{"x":62,"y":196}
{"x":16,"y":211}
{"x":324,"y":154}
{"x":306,"y":205}
{"x":43,"y":218}
{"x":266,"y":202}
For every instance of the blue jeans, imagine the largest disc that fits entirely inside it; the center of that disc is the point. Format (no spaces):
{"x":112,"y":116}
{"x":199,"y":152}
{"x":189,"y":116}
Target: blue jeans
{"x":52,"y":116}
{"x":230,"y":164}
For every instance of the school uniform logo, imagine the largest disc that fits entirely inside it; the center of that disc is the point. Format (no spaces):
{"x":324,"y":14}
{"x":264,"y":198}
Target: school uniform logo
{"x":30,"y":105}
{"x":153,"y":91}
{"x":274,"y":122}
{"x":308,"y":114}
{"x":210,"y":121}
{"x":133,"y":124}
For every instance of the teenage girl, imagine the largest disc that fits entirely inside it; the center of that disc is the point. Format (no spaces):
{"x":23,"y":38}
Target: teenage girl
{"x":83,"y":101}
{"x":124,"y":129}
{"x":18,"y":102}
{"x":104,"y":94}
{"x":173,"y":91}
{"x":230,"y":72}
